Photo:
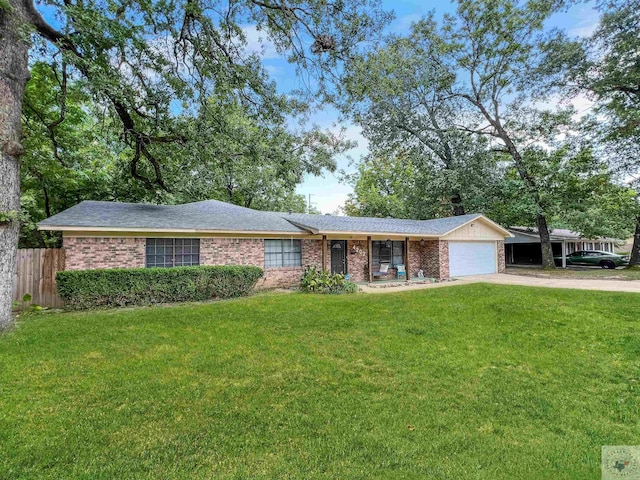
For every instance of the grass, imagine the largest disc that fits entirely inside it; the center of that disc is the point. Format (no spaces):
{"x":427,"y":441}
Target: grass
{"x":474,"y":382}
{"x":595,"y":273}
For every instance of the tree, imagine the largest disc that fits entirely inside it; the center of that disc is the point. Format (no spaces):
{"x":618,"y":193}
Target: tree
{"x":410,"y":185}
{"x":606,"y":67}
{"x":578,"y":188}
{"x":395,"y":94}
{"x":72,"y":154}
{"x":149,"y":61}
{"x":382,"y":187}
{"x":68,"y":155}
{"x":484,"y":55}
{"x":250,"y":160}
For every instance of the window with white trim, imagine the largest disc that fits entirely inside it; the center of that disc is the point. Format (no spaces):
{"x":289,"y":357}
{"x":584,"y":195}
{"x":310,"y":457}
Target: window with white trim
{"x":282,"y":253}
{"x":391,"y":252}
{"x":173,"y":252}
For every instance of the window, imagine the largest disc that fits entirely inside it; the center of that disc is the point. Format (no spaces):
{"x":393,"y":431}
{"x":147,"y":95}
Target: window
{"x":388,"y":252}
{"x":282,"y":253}
{"x":173,"y":252}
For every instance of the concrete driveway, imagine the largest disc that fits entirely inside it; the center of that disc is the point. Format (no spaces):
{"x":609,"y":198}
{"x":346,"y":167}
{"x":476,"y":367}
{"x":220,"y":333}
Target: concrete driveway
{"x":579,"y":284}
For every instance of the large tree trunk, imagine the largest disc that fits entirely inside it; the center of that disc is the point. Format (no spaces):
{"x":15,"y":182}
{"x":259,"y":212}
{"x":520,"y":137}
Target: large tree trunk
{"x":634,"y":261}
{"x":456,"y":205}
{"x":545,"y":242}
{"x":527,"y":178}
{"x":532,"y":186}
{"x":14,"y":73}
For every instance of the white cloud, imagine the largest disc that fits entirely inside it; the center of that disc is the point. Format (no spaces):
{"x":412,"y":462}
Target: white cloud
{"x":582,"y":104}
{"x":586,"y":21}
{"x":258,"y":42}
{"x":274,"y":70}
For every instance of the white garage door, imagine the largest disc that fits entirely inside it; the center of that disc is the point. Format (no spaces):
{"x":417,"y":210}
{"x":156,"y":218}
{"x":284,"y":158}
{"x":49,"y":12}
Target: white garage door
{"x":471,"y":258}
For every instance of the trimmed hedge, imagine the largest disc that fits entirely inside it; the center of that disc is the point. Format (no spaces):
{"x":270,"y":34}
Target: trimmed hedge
{"x":84,"y":289}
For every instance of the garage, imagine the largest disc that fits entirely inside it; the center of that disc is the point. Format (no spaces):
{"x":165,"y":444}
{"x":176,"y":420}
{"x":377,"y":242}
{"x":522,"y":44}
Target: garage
{"x":472,"y":258}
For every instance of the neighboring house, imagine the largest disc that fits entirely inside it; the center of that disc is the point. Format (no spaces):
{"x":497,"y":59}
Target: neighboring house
{"x":524,"y":248}
{"x":109,"y":235}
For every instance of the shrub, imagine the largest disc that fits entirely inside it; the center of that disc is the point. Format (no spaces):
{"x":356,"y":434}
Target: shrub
{"x":82,"y":289}
{"x":319,"y":281}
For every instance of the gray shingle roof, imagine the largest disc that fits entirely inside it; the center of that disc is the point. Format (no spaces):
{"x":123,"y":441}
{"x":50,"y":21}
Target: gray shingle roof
{"x":207,"y":215}
{"x":558,"y":234}
{"x":212,"y":215}
{"x":330,"y":223}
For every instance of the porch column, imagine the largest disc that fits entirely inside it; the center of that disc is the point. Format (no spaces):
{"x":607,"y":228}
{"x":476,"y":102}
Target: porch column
{"x":369,"y":258}
{"x":564,"y":254}
{"x":324,"y":252}
{"x":406,"y":258}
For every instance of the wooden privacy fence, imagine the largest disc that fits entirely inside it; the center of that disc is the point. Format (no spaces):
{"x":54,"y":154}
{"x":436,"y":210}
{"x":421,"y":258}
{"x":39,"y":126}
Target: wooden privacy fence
{"x":36,"y":275}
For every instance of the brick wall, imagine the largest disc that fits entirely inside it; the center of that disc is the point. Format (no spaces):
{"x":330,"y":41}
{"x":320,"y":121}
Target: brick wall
{"x":312,"y":253}
{"x":357,"y":260}
{"x":415,"y":258}
{"x":85,"y":253}
{"x":443,"y":258}
{"x":232,"y":251}
{"x":432,"y":258}
{"x":110,"y":252}
{"x":501,"y":256}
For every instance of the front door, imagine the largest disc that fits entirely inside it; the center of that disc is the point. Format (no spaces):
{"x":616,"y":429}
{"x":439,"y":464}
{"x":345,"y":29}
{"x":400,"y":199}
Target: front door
{"x":338,"y":256}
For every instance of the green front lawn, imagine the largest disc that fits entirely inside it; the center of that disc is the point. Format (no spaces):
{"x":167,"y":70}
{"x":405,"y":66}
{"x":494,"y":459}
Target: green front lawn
{"x":467,"y":382}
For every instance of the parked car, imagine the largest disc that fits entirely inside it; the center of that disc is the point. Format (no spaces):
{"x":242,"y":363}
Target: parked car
{"x":594,"y":258}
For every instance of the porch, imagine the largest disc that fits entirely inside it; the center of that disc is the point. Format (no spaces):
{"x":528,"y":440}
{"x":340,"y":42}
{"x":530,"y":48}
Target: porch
{"x":361,"y":259}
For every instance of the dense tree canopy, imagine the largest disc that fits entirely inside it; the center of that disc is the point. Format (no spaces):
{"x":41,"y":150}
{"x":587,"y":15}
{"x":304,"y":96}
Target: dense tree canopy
{"x":605,"y":67}
{"x":466,"y":109}
{"x":72,"y":153}
{"x":395,"y":93}
{"x":151,"y":66}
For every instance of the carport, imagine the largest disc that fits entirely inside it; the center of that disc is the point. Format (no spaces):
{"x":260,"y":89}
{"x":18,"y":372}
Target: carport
{"x":524,"y":248}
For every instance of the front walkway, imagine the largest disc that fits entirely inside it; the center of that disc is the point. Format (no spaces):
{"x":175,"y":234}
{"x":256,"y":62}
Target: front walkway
{"x":405,"y":286}
{"x":511,"y":279}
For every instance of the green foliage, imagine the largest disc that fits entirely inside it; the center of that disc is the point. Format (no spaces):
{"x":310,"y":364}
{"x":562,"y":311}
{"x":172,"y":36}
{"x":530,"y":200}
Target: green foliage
{"x":25,"y":306}
{"x":70,"y":155}
{"x":151,"y":65}
{"x":10,"y":216}
{"x":577,"y":188}
{"x":406,"y":185}
{"x":321,"y":281}
{"x":83,"y":289}
{"x":604,"y":66}
{"x":421,"y":163}
{"x":237,"y":156}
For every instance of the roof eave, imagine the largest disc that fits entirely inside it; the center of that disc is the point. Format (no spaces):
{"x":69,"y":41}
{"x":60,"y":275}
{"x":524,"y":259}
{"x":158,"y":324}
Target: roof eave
{"x":87,"y":228}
